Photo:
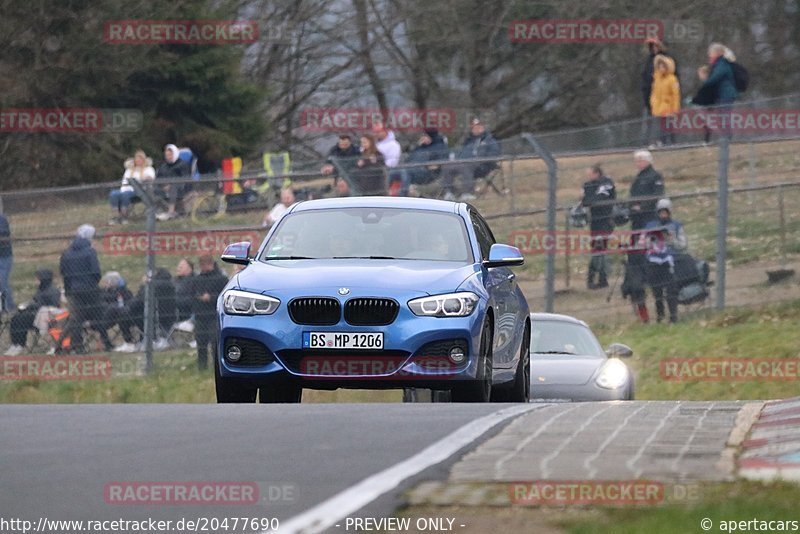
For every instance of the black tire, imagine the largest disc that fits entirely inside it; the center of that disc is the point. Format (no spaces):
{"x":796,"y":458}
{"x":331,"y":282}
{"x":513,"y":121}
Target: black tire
{"x":232,"y":391}
{"x":280,"y":393}
{"x":521,"y":390}
{"x":479,"y":390}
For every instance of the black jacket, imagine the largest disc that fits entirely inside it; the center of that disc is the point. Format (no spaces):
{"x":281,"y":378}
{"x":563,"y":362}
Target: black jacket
{"x":164,"y":296}
{"x":345,"y":158}
{"x":79,"y":267}
{"x":47,"y":294}
{"x":370,"y":179}
{"x":174,"y":170}
{"x":596,"y":194}
{"x":5,"y":234}
{"x":436,"y":150}
{"x":213,"y":283}
{"x":648,"y":183}
{"x":184,"y":296}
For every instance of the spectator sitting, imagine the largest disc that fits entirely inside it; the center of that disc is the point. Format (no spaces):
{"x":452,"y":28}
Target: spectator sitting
{"x":387,"y":145}
{"x":173,"y":168}
{"x":117,"y":300}
{"x":479,"y":144}
{"x":47,"y":295}
{"x":345,"y":153}
{"x":369,"y":176}
{"x":140,"y":167}
{"x":281,"y":208}
{"x":430,"y":147}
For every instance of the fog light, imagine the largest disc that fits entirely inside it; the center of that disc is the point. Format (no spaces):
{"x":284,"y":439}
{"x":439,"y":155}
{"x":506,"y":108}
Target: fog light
{"x":457,"y":355}
{"x":234,"y":353}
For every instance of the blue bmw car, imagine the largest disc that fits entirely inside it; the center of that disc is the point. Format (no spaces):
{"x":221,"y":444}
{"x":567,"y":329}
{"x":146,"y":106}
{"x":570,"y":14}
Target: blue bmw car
{"x":374,"y":293}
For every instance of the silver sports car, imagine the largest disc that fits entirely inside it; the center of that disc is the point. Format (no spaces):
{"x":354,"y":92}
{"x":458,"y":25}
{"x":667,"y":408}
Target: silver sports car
{"x":568,"y":363}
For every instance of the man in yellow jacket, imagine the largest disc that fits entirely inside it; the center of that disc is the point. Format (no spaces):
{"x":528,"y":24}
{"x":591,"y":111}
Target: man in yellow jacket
{"x":665,"y":97}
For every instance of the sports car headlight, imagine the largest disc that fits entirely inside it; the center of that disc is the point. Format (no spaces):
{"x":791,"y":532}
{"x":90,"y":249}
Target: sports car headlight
{"x":613,"y":374}
{"x":236,"y":302}
{"x":450,"y":305}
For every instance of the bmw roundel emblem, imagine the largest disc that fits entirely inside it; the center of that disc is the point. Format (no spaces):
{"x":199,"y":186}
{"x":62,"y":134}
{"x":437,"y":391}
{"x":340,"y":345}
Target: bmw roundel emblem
{"x":344,"y":291}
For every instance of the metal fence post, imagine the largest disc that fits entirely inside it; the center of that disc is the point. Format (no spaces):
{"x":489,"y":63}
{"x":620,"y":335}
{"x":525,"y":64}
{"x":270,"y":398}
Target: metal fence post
{"x":552,"y":183}
{"x":145,"y":193}
{"x":722,"y":219}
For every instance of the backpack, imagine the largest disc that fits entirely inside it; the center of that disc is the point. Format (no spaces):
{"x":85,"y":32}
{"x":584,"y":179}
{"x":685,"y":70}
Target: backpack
{"x":741,"y":78}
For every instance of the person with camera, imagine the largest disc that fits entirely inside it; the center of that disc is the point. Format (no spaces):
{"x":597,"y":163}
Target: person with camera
{"x":599,"y":194}
{"x":665,"y":239}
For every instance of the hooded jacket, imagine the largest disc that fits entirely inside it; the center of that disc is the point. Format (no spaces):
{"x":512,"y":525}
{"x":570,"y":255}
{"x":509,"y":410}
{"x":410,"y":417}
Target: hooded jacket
{"x":174,"y":170}
{"x":47,"y":294}
{"x":720,"y":82}
{"x":665,"y":96}
{"x":145,"y":174}
{"x":390,"y":149}
{"x":79,"y":267}
{"x":647,"y":73}
{"x":436,"y":150}
{"x":212,"y":282}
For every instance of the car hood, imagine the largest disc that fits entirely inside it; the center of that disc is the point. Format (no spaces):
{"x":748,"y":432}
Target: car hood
{"x":423,"y":277}
{"x":563,"y":369}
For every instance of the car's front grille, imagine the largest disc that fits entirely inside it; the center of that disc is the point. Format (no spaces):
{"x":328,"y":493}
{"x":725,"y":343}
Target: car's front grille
{"x":315,"y":311}
{"x":254,"y":353}
{"x":370,"y":311}
{"x":342,"y":362}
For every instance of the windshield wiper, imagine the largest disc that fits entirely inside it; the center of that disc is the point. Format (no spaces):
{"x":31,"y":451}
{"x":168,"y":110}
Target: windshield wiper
{"x":270,"y":258}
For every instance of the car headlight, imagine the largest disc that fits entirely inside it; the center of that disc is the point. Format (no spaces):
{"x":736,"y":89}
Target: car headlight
{"x":450,"y":305}
{"x":613,"y":374}
{"x":236,"y":302}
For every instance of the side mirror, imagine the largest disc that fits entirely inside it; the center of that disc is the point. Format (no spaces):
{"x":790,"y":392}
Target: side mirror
{"x":503,"y":256}
{"x":618,"y":350}
{"x":238,"y":253}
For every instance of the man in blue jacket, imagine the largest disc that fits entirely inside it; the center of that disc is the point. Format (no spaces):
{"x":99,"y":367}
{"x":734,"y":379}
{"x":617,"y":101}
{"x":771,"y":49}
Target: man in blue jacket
{"x":430,"y":147}
{"x":479,"y":144}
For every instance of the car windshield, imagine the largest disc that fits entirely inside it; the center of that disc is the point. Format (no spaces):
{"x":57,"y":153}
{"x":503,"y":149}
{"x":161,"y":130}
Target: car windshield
{"x":560,"y":337}
{"x":370,"y":233}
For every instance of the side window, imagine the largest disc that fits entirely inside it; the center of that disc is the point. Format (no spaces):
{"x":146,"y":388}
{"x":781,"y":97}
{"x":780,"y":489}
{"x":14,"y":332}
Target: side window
{"x":482,"y":232}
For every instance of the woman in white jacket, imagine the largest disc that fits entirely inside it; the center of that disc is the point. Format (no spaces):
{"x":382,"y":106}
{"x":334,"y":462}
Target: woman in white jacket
{"x":139,"y":167}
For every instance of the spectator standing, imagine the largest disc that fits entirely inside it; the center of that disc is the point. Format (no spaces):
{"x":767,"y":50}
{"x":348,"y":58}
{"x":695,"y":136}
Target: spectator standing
{"x":165,"y":309}
{"x":599,"y":194}
{"x":80,"y":270}
{"x":665,"y":98}
{"x":666,"y":238}
{"x":480,"y":143}
{"x":720,"y":84}
{"x":139,"y":167}
{"x":46,"y":295}
{"x":369,"y":176}
{"x":173,"y":169}
{"x":345,"y":153}
{"x":6,"y":262}
{"x":647,"y":188}
{"x":208,"y":284}
{"x":281,"y":208}
{"x":184,"y":278}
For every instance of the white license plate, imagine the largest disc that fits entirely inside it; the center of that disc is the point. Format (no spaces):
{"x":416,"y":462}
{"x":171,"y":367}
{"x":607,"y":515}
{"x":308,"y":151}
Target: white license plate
{"x":343,"y":340}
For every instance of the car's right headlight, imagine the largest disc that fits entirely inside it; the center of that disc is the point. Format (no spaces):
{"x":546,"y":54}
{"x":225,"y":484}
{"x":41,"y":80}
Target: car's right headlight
{"x":237,"y":302}
{"x":449,"y":305}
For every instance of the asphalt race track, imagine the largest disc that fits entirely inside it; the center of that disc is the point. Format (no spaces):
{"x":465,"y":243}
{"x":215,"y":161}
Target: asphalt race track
{"x":58,"y":460}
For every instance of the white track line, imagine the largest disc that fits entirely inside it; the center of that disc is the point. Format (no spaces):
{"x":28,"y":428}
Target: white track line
{"x":328,"y":512}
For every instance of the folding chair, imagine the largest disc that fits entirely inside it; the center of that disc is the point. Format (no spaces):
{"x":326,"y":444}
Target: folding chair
{"x":489,"y":182}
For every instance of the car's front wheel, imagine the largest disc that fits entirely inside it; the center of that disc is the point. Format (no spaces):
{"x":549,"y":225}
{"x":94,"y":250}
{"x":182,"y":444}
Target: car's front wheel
{"x":280,"y":393}
{"x":480,"y":389}
{"x":231,"y":390}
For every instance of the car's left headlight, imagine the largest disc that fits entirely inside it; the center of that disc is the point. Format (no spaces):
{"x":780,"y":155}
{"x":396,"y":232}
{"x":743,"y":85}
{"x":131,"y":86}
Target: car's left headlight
{"x":449,"y":305}
{"x":237,"y":302}
{"x":613,"y":374}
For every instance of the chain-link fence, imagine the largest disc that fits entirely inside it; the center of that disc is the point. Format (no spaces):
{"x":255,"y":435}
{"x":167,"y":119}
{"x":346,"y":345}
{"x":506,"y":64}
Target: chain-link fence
{"x":510,"y":187}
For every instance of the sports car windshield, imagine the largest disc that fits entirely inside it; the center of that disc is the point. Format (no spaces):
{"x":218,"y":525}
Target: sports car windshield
{"x":559,"y":337}
{"x":370,"y":233}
